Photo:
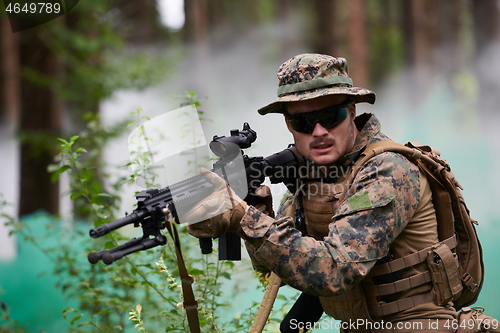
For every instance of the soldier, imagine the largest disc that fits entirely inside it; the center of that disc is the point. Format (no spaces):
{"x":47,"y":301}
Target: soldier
{"x":387,"y":214}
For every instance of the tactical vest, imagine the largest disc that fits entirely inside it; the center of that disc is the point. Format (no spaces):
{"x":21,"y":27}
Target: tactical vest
{"x":422,"y":266}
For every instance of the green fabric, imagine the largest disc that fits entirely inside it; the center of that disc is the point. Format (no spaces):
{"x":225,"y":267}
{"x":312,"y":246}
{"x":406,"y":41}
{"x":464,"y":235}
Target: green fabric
{"x":312,"y":84}
{"x":359,"y":201}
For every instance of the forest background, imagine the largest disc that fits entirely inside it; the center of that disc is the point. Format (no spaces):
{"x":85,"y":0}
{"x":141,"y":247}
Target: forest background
{"x":107,"y":65}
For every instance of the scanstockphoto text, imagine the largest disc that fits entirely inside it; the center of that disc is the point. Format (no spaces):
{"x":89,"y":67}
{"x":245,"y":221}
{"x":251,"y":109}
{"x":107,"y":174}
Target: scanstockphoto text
{"x":425,"y":325}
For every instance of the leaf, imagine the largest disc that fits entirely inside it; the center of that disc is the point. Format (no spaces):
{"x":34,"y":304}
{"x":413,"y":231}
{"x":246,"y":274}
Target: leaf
{"x":76,"y":318}
{"x":101,"y":312}
{"x":103,"y":195}
{"x":56,"y":174}
{"x":97,"y":207}
{"x":52,"y":168}
{"x":65,"y":311}
{"x":230,"y":264}
{"x":194,"y":271}
{"x":63,"y":141}
{"x":117,"y":327}
{"x":75,"y":195}
{"x":85,"y":323}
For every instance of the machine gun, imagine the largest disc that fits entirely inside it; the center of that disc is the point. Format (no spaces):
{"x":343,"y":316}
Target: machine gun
{"x":152,"y":204}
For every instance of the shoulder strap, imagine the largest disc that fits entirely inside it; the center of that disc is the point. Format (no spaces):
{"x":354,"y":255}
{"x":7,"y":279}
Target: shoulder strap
{"x":190,"y":303}
{"x":370,"y":152}
{"x":412,"y":151}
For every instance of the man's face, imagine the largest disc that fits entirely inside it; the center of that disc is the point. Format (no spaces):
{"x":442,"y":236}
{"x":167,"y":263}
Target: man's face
{"x":324,"y":146}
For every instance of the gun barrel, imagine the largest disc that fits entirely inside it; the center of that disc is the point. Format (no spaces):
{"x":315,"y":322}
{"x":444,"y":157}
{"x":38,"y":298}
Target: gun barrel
{"x":108,"y":227}
{"x":137,"y":245}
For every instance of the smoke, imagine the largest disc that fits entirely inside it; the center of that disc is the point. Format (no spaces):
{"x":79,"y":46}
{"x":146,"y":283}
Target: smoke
{"x":9,"y":189}
{"x":239,"y":76}
{"x":455,"y":111}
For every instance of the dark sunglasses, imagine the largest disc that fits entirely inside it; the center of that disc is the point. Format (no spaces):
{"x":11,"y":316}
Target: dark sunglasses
{"x":328,"y":117}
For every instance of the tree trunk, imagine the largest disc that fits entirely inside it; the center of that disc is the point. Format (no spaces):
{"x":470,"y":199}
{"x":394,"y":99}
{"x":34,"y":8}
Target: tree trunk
{"x":486,"y":17}
{"x":419,"y":29}
{"x":40,"y":121}
{"x":286,"y":24}
{"x":9,"y":71}
{"x":486,"y":23}
{"x":197,"y":31}
{"x":450,"y":55}
{"x":423,"y":39}
{"x":358,"y":43}
{"x":324,"y":38}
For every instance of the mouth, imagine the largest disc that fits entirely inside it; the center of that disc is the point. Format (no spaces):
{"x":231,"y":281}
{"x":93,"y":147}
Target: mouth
{"x":322,"y":147}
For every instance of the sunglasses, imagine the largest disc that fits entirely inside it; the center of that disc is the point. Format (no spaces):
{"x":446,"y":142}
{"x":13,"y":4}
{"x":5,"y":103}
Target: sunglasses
{"x":328,"y":117}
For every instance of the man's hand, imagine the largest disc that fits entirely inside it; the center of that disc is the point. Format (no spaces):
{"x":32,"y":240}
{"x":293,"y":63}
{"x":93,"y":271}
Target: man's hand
{"x":223,"y":207}
{"x":264,"y":200}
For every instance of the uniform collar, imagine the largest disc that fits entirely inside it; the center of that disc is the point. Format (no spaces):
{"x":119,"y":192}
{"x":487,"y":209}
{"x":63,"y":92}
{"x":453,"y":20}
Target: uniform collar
{"x":369,"y":132}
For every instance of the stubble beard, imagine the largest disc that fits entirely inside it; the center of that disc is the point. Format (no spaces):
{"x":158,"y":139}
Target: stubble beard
{"x":334,"y":159}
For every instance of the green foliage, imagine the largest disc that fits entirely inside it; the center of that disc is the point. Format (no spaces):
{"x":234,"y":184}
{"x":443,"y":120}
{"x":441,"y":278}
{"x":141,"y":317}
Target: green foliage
{"x":140,"y":292}
{"x":135,"y":315}
{"x":94,"y":59}
{"x":82,"y":155}
{"x":195,"y":161}
{"x":385,"y":39}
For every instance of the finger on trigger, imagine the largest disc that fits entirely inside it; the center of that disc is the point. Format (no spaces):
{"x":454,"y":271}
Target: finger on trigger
{"x":261,"y":207}
{"x":263,"y":191}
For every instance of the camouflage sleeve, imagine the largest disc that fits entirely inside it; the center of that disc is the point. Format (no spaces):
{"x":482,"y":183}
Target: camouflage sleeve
{"x":286,"y":202}
{"x":379,"y":204}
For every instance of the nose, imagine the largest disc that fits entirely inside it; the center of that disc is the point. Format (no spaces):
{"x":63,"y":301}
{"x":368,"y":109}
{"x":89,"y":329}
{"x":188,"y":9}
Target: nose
{"x":319,"y":130}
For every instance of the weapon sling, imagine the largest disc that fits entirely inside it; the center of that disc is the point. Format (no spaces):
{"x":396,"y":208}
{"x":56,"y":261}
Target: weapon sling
{"x":267,"y":303}
{"x":190,"y":304}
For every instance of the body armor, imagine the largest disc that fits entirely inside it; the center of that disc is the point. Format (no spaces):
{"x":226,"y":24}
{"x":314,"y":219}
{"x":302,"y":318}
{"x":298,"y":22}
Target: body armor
{"x":386,"y":292}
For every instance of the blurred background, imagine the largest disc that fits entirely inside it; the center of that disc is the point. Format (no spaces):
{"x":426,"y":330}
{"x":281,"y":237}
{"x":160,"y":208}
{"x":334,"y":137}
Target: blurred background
{"x":435,"y":66}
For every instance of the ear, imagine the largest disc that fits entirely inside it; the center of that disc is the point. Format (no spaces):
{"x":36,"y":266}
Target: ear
{"x":287,"y":122}
{"x":352,"y":110}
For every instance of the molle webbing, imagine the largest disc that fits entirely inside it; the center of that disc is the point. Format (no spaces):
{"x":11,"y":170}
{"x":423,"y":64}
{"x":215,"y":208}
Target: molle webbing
{"x":413,"y":281}
{"x":402,"y":285}
{"x":409,"y":260}
{"x":320,"y":205}
{"x":402,"y":304}
{"x":451,"y":212}
{"x":353,"y":296}
{"x":443,"y":186}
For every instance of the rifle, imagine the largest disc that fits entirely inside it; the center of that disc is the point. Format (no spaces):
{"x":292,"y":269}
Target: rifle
{"x":152,"y":204}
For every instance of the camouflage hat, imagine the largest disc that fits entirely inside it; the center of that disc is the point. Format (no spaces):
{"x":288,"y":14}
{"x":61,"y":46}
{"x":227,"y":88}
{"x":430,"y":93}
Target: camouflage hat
{"x":312,"y":75}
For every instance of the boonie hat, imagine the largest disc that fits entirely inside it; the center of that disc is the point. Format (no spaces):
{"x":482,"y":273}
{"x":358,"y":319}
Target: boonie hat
{"x":312,"y":75}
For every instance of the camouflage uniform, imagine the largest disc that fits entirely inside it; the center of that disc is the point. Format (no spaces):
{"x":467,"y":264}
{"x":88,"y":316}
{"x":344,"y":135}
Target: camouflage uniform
{"x":388,"y":209}
{"x":380,"y":203}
